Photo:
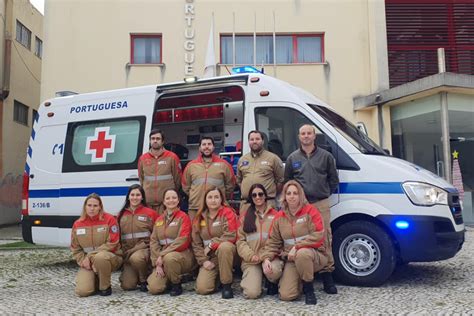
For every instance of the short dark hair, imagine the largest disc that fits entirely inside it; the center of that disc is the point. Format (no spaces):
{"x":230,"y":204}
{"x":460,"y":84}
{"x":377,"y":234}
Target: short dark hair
{"x":255,"y":132}
{"x":157,"y":131}
{"x":206,"y":137}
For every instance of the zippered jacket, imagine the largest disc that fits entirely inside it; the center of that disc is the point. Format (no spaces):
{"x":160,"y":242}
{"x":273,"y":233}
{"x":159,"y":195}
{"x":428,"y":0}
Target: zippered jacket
{"x":91,"y":235}
{"x":250,"y":244}
{"x":170,"y":234}
{"x":304,"y":230}
{"x":198,"y":175}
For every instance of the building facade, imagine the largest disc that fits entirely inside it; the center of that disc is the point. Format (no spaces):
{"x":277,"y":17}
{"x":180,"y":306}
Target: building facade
{"x":351,"y":54}
{"x":20,"y":76}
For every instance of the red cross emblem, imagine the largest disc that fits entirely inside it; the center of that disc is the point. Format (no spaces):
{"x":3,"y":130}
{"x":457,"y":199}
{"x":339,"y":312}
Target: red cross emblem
{"x":100,"y":144}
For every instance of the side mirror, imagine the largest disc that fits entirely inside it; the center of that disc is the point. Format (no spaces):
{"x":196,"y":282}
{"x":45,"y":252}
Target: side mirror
{"x":361,"y":127}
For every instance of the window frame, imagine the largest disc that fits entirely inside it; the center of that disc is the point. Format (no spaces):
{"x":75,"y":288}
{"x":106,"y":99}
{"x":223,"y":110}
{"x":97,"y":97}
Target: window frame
{"x":294,"y":36}
{"x":70,"y":165}
{"x":16,"y":115}
{"x":38,"y":53}
{"x":20,"y":26}
{"x":134,"y":36}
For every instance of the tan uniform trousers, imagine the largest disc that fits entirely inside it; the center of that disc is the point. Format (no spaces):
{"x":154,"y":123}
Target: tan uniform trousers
{"x":87,"y":281}
{"x":175,"y":264}
{"x":223,"y":259}
{"x":135,"y":269}
{"x":252,"y":278}
{"x":323,"y":207}
{"x":308,"y":261}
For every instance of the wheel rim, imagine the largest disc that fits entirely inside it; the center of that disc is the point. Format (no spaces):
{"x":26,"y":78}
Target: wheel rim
{"x":359,"y":254}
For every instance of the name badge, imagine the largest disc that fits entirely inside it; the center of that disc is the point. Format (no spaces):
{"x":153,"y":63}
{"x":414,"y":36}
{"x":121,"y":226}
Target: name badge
{"x":101,"y":229}
{"x":264,"y":163}
{"x":81,"y":231}
{"x":297,"y":164}
{"x":162,"y":162}
{"x":142,"y":218}
{"x":216,"y":224}
{"x":301,"y":220}
{"x":173,"y":224}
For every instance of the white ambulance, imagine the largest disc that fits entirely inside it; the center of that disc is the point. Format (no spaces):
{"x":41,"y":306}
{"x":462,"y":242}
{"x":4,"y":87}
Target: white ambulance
{"x":386,"y":211}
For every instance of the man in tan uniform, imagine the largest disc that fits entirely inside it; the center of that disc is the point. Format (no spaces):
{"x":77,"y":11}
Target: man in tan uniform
{"x":259,"y":166}
{"x":158,"y":170}
{"x":207,"y":169}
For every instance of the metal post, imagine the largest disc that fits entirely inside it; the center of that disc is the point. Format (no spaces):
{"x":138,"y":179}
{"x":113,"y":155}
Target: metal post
{"x":445,"y":121}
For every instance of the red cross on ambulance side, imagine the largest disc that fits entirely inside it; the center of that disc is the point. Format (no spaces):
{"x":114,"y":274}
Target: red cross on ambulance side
{"x":101,"y":144}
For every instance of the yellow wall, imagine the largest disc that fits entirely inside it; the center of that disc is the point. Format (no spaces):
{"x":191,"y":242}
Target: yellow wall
{"x":24,"y":86}
{"x":88,"y":43}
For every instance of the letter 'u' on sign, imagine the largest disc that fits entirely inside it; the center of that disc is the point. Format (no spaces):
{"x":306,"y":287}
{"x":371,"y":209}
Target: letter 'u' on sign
{"x":101,"y":144}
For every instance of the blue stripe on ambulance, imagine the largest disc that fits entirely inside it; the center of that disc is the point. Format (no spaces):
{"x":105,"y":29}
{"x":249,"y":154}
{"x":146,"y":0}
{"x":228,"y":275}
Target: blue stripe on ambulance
{"x":344,"y":188}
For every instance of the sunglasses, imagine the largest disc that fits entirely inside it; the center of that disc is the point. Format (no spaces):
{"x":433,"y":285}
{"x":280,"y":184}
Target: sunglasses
{"x":259,"y":194}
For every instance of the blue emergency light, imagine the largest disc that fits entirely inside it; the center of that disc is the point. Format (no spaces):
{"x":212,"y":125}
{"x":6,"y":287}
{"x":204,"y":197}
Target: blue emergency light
{"x":402,"y":224}
{"x":245,"y":70}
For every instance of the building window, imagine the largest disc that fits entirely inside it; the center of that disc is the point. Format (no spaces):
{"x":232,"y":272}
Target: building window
{"x":23,"y":35}
{"x":290,"y":49}
{"x":38,"y":47}
{"x":146,"y":49}
{"x":20,"y":113}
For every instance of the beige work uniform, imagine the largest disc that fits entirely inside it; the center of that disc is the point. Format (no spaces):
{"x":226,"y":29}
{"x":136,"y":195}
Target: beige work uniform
{"x":263,"y":167}
{"x":305,"y":232}
{"x":251,"y":244}
{"x":323,"y":207}
{"x":136,"y":227}
{"x":158,"y":174}
{"x":97,"y":239}
{"x":199,"y":174}
{"x":171,"y":240}
{"x":218,"y":235}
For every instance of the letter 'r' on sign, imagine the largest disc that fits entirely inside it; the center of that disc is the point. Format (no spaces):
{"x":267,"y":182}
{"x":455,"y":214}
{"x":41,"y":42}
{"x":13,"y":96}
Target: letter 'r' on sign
{"x":101,"y":144}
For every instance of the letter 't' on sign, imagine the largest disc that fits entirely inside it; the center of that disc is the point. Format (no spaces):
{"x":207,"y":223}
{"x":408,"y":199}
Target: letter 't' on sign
{"x":101,"y":144}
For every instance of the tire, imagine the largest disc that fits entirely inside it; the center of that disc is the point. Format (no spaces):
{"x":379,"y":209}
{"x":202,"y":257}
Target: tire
{"x":364,"y":254}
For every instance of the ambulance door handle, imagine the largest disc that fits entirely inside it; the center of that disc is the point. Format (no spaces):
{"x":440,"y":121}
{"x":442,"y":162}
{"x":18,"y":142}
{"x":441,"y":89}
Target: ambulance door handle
{"x":132,"y":178}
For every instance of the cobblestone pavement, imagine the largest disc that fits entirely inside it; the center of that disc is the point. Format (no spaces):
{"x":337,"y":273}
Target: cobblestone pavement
{"x":42,"y":281}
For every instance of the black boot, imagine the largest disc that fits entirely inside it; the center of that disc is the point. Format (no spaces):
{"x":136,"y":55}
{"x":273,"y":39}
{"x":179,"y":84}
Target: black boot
{"x":143,"y":286}
{"x":176,"y":290}
{"x":328,"y":283}
{"x":105,"y":292}
{"x":227,"y":291}
{"x":272,"y":288}
{"x":309,"y":296}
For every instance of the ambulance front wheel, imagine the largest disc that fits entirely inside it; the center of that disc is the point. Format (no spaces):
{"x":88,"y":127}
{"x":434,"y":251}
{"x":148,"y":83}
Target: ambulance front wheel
{"x":364,"y":254}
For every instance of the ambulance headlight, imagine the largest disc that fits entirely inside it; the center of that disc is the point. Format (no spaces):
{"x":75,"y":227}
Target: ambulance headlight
{"x":425,"y":194}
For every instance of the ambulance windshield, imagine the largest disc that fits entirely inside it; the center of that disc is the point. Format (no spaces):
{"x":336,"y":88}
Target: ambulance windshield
{"x":354,"y":135}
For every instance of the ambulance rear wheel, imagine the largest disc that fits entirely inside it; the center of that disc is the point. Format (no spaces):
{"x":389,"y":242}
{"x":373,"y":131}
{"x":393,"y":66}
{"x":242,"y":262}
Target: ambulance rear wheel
{"x":364,"y":254}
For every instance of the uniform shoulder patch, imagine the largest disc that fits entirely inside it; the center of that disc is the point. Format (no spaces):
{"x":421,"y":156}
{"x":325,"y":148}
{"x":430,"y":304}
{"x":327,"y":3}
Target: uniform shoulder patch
{"x":159,"y":223}
{"x":296,"y":164}
{"x":203,"y":223}
{"x":245,"y":163}
{"x":114,"y":229}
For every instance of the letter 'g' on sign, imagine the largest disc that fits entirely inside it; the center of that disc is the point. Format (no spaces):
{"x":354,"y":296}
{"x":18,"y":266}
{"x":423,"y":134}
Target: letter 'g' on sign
{"x":101,"y":144}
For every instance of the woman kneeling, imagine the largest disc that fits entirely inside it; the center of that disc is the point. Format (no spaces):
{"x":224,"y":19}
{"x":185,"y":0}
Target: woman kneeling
{"x":170,"y":247}
{"x":96,"y":248}
{"x":297,"y":237}
{"x":213,"y":240}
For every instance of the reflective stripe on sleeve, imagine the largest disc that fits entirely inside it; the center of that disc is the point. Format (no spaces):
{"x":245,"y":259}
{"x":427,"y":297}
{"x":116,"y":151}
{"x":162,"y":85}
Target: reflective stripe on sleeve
{"x":159,"y":178}
{"x":166,"y":241}
{"x":256,"y":236}
{"x":135,"y":235}
{"x":293,"y":241}
{"x":88,"y":249}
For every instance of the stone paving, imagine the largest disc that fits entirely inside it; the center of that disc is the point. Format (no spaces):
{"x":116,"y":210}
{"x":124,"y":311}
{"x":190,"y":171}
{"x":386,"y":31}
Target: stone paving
{"x":42,"y":281}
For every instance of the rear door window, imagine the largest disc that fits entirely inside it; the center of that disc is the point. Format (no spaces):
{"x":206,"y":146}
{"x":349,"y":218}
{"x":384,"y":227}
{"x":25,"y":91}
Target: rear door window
{"x":113,"y":144}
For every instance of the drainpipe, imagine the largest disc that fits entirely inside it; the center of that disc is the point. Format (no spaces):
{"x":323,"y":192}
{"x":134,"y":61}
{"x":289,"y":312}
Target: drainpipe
{"x":445,"y":121}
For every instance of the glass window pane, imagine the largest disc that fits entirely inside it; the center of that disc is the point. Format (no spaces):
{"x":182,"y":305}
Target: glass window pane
{"x":284,"y":47}
{"x":146,"y":50}
{"x":264,"y":50}
{"x":309,"y":49}
{"x":106,"y":143}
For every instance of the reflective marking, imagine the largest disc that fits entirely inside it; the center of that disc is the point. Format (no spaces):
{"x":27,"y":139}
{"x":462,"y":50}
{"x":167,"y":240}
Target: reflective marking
{"x":295,"y":240}
{"x":135,"y":235}
{"x":166,"y":241}
{"x":206,"y":242}
{"x":88,"y":249}
{"x":159,"y":178}
{"x":256,"y":236}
